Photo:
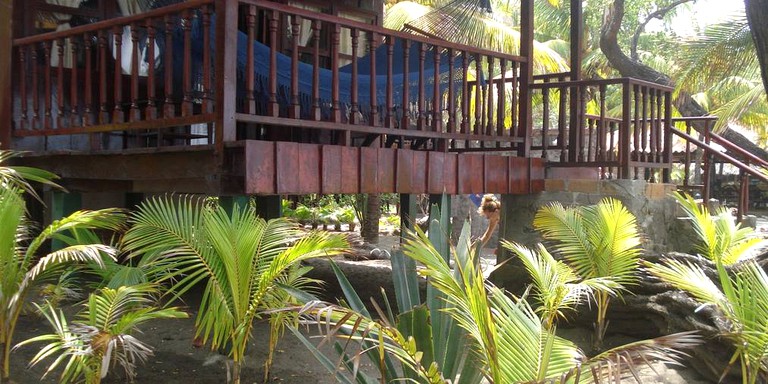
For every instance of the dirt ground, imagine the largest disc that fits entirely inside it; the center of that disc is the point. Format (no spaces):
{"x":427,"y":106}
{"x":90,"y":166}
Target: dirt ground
{"x":175,"y":359}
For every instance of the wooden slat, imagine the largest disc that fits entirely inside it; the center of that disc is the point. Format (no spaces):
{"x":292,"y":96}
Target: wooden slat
{"x":387,"y":164}
{"x":435,"y":172}
{"x":287,"y":165}
{"x":330,"y":177}
{"x":451,"y":173}
{"x":308,"y":171}
{"x":495,"y":171}
{"x":418,"y":174}
{"x":369,"y":176}
{"x":404,"y":172}
{"x":350,"y":170}
{"x":260,"y":167}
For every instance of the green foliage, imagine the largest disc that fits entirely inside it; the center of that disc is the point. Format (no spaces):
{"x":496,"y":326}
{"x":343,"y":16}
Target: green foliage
{"x":597,"y":241}
{"x":22,"y":267}
{"x":740,"y":295}
{"x":495,"y":337}
{"x":102,"y":336}
{"x":242,"y":260}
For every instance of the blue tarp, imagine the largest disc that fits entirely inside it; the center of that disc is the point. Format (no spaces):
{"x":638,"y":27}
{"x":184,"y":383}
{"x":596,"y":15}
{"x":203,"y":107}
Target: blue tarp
{"x":401,"y":73}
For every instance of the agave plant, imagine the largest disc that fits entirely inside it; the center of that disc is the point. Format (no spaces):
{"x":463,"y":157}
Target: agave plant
{"x":597,"y":241}
{"x":505,"y":340}
{"x":241,"y":258}
{"x":740,"y":295}
{"x":22,"y":267}
{"x":103,"y":336}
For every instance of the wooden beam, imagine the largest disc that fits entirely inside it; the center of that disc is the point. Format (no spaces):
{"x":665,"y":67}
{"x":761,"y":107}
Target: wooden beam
{"x":6,"y":88}
{"x":526,"y":77}
{"x":226,"y":76}
{"x":577,"y":35}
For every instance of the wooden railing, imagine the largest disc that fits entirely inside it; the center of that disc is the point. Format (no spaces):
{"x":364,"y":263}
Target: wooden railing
{"x":620,"y":126}
{"x":699,"y":136}
{"x":192,"y":77}
{"x":80,"y":81}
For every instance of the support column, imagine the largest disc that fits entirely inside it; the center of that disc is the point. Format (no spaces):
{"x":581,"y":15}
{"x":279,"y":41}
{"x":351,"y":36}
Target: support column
{"x":62,"y":205}
{"x":577,"y":35}
{"x":6,"y":88}
{"x":525,"y":127}
{"x":226,"y":76}
{"x":269,"y":206}
{"x":230,"y":202}
{"x":407,"y":214}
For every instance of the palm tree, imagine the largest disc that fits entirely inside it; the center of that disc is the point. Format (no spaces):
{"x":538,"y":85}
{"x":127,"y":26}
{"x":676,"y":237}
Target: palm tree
{"x":20,"y":176}
{"x":506,"y":341}
{"x":597,"y":241}
{"x":740,"y":295}
{"x":556,"y":286}
{"x":240,"y":258}
{"x":21,"y":266}
{"x":103,"y":336}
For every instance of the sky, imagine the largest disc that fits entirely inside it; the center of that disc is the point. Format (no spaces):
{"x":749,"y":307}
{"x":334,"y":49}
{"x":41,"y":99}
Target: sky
{"x":706,"y":12}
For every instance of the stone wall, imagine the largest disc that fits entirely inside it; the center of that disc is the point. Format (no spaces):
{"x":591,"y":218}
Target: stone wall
{"x":657,"y":215}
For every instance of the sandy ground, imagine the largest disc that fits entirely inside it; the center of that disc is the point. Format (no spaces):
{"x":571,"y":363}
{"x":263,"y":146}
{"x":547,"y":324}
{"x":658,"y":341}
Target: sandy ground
{"x":177,"y":361}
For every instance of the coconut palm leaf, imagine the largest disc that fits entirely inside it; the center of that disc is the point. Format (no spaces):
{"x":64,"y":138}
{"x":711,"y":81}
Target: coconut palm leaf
{"x":242,"y":259}
{"x":20,"y":176}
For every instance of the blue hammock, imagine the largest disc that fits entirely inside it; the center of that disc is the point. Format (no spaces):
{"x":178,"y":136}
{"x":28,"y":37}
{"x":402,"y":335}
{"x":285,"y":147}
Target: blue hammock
{"x":401,"y":72}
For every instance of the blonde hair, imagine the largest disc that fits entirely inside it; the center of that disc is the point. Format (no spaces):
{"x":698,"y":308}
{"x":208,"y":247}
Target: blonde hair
{"x":489,"y":204}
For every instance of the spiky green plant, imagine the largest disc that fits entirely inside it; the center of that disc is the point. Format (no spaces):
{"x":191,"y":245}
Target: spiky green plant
{"x":239,"y":257}
{"x":740,"y":295}
{"x":506,"y":342}
{"x":597,"y":241}
{"x":103,"y":335}
{"x":22,"y":267}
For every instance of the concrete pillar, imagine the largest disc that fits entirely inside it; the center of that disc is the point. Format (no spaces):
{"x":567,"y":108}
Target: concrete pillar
{"x":230,"y":202}
{"x":269,"y":206}
{"x":62,"y":205}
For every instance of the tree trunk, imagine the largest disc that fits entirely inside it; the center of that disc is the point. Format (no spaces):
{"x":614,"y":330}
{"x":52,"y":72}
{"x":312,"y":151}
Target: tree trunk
{"x":5,"y":354}
{"x":757,"y":14}
{"x":370,"y":226}
{"x":632,"y":68}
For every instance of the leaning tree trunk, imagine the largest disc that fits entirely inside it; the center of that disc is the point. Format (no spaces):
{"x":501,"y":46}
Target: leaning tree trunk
{"x":370,"y":226}
{"x":757,"y":13}
{"x":633,"y":68}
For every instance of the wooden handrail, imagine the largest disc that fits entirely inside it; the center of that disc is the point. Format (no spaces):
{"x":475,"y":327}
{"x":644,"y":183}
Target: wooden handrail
{"x":738,"y":150}
{"x":744,"y":167}
{"x":597,"y":82}
{"x":352,"y":24}
{"x":109,"y":24}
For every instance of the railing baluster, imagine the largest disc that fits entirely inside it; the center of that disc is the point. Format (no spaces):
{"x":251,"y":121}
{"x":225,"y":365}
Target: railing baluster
{"x":186,"y":103}
{"x":389,"y":119}
{"x":373,"y":41}
{"x":638,"y":128}
{"x":60,"y":84}
{"x":23,"y":86}
{"x":250,"y":80}
{"x":659,"y":126}
{"x":47,"y":81}
{"x":489,"y":97}
{"x":601,"y":155}
{"x":117,"y":115}
{"x":562,"y":126}
{"x":88,"y":118}
{"x":687,"y":161}
{"x":135,"y":113}
{"x":652,"y":133}
{"x":420,"y":118}
{"x":150,"y":112}
{"x":437,"y":107}
{"x":406,"y":120}
{"x":207,"y":102}
{"x":451,"y":93}
{"x":644,"y":123}
{"x":478,"y":96}
{"x":591,"y":123}
{"x":294,"y":111}
{"x":169,"y":108}
{"x":514,"y":113}
{"x":465,"y":94}
{"x":335,"y":103}
{"x":501,"y":101}
{"x":74,"y":114}
{"x":316,"y":111}
{"x":354,"y":113}
{"x":273,"y":108}
{"x":545,"y":121}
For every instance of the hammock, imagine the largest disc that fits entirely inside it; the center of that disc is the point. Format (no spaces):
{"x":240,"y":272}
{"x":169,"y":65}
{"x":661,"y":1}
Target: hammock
{"x":404,"y":74}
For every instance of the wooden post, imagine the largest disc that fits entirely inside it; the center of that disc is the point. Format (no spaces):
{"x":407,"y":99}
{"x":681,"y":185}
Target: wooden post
{"x":624,"y":128}
{"x":269,"y":206}
{"x":6,"y":88}
{"x":407,"y":214}
{"x":226,"y":76}
{"x":576,"y":58}
{"x":525,"y":129}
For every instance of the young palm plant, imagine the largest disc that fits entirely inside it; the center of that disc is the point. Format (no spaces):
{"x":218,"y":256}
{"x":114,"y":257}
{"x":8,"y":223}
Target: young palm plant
{"x":740,"y":295}
{"x":21,"y":266}
{"x":103,"y":336}
{"x":506,"y":342}
{"x":239,"y":257}
{"x":597,"y":241}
